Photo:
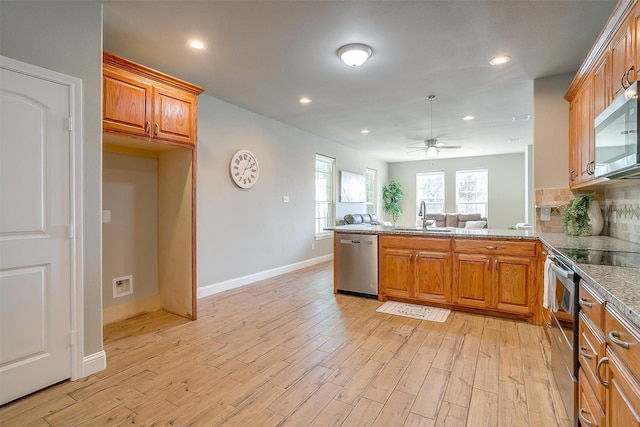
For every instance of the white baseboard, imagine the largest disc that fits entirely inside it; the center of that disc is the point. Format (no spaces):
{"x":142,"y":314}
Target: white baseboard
{"x":94,"y":363}
{"x":205,"y":291}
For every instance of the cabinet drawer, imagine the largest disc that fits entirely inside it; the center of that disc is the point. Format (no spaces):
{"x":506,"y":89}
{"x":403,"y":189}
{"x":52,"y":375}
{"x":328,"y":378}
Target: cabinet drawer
{"x":591,"y":305}
{"x":590,"y":350}
{"x":495,"y":247}
{"x":590,"y":411}
{"x":623,"y":339}
{"x":421,"y":243}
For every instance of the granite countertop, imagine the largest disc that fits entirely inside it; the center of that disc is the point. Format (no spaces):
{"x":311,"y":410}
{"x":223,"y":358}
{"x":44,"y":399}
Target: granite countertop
{"x":619,"y":286}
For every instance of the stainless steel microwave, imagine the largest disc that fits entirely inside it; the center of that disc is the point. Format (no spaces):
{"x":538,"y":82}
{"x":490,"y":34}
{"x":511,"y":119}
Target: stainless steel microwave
{"x":616,"y":138}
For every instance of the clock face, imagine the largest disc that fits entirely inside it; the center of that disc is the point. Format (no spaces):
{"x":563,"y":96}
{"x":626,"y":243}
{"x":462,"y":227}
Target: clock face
{"x":244,"y":169}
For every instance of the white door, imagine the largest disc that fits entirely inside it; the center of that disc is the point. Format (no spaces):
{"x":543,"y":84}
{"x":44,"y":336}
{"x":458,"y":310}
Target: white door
{"x":35,"y":245}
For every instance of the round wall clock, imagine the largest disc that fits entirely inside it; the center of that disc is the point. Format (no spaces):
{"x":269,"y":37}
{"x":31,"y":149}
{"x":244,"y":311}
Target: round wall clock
{"x":244,"y":169}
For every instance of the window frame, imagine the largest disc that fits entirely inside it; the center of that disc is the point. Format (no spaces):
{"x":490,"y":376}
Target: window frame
{"x":444,"y":192}
{"x":329,"y":220}
{"x":371,"y":205}
{"x":485,"y":202}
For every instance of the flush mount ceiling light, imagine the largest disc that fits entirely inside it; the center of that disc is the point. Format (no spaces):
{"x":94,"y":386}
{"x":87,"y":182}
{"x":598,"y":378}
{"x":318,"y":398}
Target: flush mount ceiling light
{"x":469,"y":117}
{"x":304,"y":100}
{"x":498,"y":60}
{"x":354,"y":54}
{"x":365,"y":131}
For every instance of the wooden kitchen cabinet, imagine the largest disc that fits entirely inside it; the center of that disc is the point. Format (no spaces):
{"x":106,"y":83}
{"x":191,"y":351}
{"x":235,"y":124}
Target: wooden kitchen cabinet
{"x":143,"y":103}
{"x":623,"y":393}
{"x":496,"y":275}
{"x":414,"y":268}
{"x":590,"y":411}
{"x":622,"y":59}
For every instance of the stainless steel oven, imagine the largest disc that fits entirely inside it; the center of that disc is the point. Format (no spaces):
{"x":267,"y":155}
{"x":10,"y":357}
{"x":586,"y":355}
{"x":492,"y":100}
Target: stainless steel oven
{"x":563,"y":329}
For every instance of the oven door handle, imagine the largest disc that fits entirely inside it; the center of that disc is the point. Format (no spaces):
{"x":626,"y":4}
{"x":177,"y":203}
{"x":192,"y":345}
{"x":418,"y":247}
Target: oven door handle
{"x":562,"y":272}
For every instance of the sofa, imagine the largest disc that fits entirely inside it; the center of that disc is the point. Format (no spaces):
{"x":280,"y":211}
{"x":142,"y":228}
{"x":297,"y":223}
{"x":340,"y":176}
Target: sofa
{"x":458,"y":220}
{"x":435,"y":220}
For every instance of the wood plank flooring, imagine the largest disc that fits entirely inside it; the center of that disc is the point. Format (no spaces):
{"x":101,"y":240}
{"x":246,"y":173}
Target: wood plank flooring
{"x":288,"y":352}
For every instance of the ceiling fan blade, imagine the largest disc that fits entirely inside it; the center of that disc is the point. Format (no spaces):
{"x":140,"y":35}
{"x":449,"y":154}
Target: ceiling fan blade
{"x":415,"y":151}
{"x":440,"y":147}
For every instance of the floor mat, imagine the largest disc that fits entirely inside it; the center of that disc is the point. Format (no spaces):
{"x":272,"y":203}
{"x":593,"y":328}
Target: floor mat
{"x":421,"y":312}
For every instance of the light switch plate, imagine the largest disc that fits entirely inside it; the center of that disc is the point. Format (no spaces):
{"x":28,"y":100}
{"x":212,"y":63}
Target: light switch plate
{"x":106,"y":216}
{"x":285,"y":199}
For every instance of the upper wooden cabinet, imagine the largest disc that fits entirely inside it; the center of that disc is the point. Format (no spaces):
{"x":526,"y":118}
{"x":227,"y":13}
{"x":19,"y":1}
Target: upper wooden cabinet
{"x":611,"y":66}
{"x":145,"y":104}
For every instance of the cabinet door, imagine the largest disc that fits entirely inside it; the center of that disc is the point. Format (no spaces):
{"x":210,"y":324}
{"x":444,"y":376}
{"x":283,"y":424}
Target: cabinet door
{"x":433,"y":276}
{"x":601,"y":91}
{"x":635,"y":48}
{"x":587,"y":146}
{"x":126,"y":103}
{"x":472,"y":280}
{"x":623,"y":395}
{"x":396,"y":273}
{"x":513,"y":280}
{"x":574,"y":141}
{"x":174,"y":115}
{"x":621,"y":58}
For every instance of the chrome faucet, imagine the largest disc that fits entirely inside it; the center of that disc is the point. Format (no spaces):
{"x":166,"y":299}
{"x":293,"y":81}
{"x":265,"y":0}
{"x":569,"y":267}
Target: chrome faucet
{"x":423,"y":214}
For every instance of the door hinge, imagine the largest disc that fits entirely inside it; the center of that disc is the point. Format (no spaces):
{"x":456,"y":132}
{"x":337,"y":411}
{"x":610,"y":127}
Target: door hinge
{"x":72,"y":338}
{"x":71,"y":231}
{"x":69,"y":124}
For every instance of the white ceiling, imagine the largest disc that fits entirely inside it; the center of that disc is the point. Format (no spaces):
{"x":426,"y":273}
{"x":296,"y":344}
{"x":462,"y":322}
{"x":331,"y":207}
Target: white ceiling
{"x":264,"y":55}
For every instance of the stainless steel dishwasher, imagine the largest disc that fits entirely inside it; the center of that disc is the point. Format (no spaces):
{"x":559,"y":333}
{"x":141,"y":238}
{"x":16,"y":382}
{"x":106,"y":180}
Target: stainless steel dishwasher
{"x":356,"y":264}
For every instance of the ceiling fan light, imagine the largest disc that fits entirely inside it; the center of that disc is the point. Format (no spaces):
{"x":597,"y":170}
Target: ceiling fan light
{"x":432,"y":151}
{"x":354,"y":54}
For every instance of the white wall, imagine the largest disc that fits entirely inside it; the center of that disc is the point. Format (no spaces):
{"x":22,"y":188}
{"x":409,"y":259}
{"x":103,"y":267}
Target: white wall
{"x":551,"y":131}
{"x":66,"y":36}
{"x":245,"y":232}
{"x":506,"y":185}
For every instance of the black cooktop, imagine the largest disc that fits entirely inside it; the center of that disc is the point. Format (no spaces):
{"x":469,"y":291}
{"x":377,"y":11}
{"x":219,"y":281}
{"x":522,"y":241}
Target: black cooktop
{"x":598,"y":257}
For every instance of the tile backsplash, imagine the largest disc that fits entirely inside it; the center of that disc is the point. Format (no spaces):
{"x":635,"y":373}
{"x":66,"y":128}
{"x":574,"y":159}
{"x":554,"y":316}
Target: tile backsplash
{"x":620,"y":205}
{"x":622,"y":212}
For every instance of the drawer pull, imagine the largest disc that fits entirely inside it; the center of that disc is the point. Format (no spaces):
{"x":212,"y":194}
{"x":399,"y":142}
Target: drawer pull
{"x":600,"y":363}
{"x":491,"y":247}
{"x":583,"y":353}
{"x":584,"y":303}
{"x":583,"y":420}
{"x":613,"y":336}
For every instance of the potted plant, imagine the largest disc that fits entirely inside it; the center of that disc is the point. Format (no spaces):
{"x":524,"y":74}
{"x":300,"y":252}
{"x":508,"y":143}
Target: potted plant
{"x":582,"y":217}
{"x":392,"y":196}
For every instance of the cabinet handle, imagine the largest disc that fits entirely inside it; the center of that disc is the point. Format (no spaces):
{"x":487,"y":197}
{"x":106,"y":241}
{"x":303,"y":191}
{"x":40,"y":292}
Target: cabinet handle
{"x":613,"y":336}
{"x":491,"y":247}
{"x":583,"y":353}
{"x":591,"y":168}
{"x":601,"y":362}
{"x":584,"y":303}
{"x":584,"y":421}
{"x":496,"y":265}
{"x":147,"y":128}
{"x":626,"y":76}
{"x":417,"y":257}
{"x":157,"y":129}
{"x":488,"y":264}
{"x":571,"y":176}
{"x":622,"y":81}
{"x":410,"y":258}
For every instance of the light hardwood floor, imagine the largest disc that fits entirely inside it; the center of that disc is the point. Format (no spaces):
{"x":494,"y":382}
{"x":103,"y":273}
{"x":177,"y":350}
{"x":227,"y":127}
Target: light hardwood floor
{"x":287,"y":351}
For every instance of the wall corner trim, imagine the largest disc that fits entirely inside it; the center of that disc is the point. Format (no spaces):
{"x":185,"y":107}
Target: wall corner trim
{"x":214,"y":288}
{"x":94,"y":363}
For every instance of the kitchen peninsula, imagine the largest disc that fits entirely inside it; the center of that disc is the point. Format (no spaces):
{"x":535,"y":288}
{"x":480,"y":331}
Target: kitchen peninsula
{"x":491,"y":271}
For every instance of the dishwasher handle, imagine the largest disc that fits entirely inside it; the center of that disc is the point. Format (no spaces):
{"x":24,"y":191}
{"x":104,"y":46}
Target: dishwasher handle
{"x":356,"y":242}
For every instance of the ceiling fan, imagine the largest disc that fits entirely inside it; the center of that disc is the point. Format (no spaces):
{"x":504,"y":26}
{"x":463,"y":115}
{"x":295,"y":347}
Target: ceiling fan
{"x":431,"y":145}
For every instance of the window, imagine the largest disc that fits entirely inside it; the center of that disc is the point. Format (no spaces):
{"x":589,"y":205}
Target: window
{"x":430,"y":189}
{"x":325,"y":177}
{"x":370,"y":184}
{"x":472,"y":191}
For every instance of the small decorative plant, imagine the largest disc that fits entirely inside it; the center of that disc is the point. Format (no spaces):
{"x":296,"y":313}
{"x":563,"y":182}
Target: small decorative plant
{"x":392,"y":195}
{"x":575,"y":218}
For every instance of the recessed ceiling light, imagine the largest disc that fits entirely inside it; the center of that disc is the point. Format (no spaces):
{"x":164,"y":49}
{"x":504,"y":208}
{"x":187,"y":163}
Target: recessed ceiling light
{"x":500,"y":60}
{"x":304,"y":100}
{"x":196,"y":44}
{"x":365,"y":131}
{"x":468,"y":117}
